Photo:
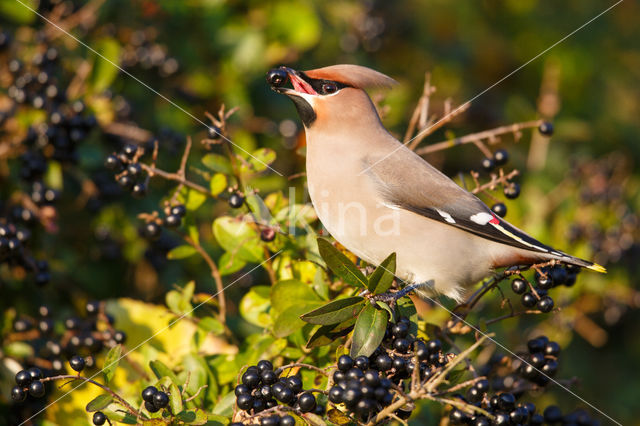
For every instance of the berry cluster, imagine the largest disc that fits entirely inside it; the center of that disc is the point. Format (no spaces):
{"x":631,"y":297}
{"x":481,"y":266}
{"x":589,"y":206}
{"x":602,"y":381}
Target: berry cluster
{"x":28,"y":382}
{"x":541,"y":361}
{"x":364,"y":384}
{"x":154,"y":399}
{"x":502,"y":405}
{"x":546,"y":279}
{"x":152,"y":229}
{"x":500,"y":158}
{"x":262,"y":389}
{"x":35,"y":84}
{"x":141,"y":50}
{"x":511,"y":190}
{"x":15,"y":235}
{"x":80,"y":343}
{"x":128,"y":172}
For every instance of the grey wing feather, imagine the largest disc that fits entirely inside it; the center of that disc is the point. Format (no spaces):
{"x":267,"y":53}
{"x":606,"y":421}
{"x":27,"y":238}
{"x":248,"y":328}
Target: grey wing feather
{"x":407,"y":181}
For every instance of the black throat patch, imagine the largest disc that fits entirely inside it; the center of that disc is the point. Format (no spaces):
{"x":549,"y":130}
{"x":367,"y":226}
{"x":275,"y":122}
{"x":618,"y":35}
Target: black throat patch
{"x":306,"y":113}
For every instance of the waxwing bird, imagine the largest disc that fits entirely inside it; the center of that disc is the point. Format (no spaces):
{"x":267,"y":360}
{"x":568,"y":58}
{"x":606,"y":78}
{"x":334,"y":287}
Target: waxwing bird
{"x":376,"y":196}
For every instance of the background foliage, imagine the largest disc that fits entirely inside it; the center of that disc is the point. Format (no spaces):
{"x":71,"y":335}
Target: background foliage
{"x":581,"y":195}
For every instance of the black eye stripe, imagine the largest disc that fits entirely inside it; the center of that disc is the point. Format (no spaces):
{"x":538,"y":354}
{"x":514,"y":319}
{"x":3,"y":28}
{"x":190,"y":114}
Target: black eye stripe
{"x":317,"y":84}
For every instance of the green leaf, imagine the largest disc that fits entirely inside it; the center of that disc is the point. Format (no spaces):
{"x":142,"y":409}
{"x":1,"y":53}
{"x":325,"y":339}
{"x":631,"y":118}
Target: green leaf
{"x":14,"y":11}
{"x":181,"y":252}
{"x":382,"y":278}
{"x":259,"y":208}
{"x":337,"y":417}
{"x":111,"y":363}
{"x":18,"y":350}
{"x":194,"y":199}
{"x":288,"y":293}
{"x":238,"y":238}
{"x":368,"y":331}
{"x":335,"y":311}
{"x":327,"y":334}
{"x":193,"y":417}
{"x":228,"y":264}
{"x":340,"y":264}
{"x":262,"y":158}
{"x":255,"y":304}
{"x":387,"y":308}
{"x":99,"y":402}
{"x":211,"y":325}
{"x":224,"y":407}
{"x":217,"y":163}
{"x":161,"y":370}
{"x":119,"y":415}
{"x":217,"y":420}
{"x":175,"y":398}
{"x":104,"y":71}
{"x":289,"y":320}
{"x":218,"y":183}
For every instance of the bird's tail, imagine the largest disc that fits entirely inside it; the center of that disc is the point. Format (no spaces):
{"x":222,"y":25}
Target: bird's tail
{"x":565,"y":258}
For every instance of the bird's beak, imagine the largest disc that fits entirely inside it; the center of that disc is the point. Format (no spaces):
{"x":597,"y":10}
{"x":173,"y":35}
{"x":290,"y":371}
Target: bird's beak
{"x":277,"y":78}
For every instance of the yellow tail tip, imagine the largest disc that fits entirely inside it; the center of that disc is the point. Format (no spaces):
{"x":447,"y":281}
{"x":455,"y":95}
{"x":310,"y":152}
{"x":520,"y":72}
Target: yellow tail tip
{"x":597,"y":268}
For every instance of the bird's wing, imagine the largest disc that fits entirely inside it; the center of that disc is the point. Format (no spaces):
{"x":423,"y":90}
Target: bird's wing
{"x":404,"y":180}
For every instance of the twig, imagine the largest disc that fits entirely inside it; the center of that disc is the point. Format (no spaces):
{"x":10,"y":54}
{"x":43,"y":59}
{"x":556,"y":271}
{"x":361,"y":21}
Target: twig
{"x":300,"y":364}
{"x":495,"y":180}
{"x":513,"y":314}
{"x":490,"y":135}
{"x":438,"y":124}
{"x":131,"y":410}
{"x":215,"y":274}
{"x":194,"y":396}
{"x":440,"y":377}
{"x":175,"y":177}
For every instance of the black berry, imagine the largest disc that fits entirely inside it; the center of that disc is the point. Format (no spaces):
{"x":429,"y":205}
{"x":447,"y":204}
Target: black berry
{"x":77,"y":363}
{"x":519,"y":286}
{"x":99,"y":418}
{"x":488,"y":164}
{"x":236,"y":200}
{"x":545,"y":304}
{"x":245,"y":402}
{"x":18,"y":394}
{"x":35,"y":373}
{"x":529,"y":300}
{"x":148,"y":392}
{"x":23,"y":378}
{"x":307,"y":402}
{"x":160,"y":399}
{"x":546,"y":128}
{"x":512,"y":191}
{"x":36,"y":389}
{"x":500,"y":157}
{"x":500,"y":209}
{"x":345,"y":363}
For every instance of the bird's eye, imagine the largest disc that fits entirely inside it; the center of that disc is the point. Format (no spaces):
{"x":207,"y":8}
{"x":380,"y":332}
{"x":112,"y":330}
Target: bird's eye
{"x":328,"y":88}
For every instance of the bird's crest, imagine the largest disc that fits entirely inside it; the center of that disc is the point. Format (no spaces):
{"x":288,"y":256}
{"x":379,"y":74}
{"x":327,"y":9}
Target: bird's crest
{"x":353,"y":75}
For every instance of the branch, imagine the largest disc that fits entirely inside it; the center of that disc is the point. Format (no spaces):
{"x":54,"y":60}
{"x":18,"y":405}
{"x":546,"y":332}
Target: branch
{"x":215,"y":274}
{"x":490,"y":135}
{"x":122,"y":401}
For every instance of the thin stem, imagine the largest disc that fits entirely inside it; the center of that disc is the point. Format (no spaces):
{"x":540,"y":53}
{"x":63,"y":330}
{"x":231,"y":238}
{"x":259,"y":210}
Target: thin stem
{"x":490,"y":135}
{"x":300,"y":364}
{"x":177,"y":178}
{"x":215,"y":274}
{"x":513,"y":314}
{"x":194,"y":396}
{"x":122,"y":401}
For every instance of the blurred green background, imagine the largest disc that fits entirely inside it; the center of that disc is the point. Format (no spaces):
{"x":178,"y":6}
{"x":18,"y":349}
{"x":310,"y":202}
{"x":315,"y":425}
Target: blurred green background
{"x":577,"y":195}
